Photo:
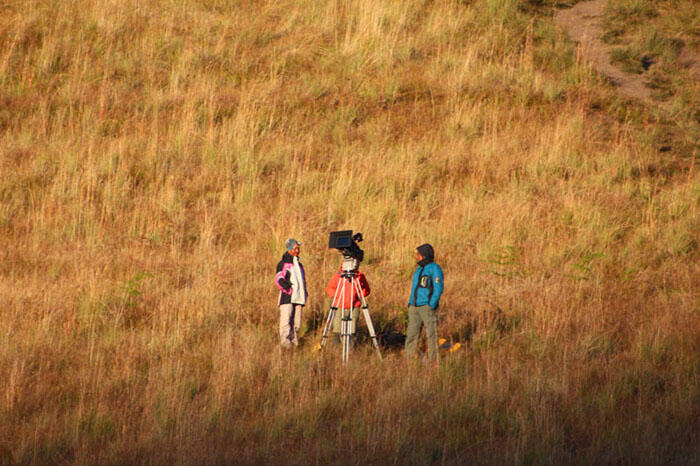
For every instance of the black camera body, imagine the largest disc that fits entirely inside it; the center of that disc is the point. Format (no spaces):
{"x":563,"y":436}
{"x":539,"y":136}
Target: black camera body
{"x":346,"y":242}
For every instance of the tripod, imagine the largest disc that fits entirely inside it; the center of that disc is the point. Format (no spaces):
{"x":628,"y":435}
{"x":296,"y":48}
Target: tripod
{"x":347,"y":310}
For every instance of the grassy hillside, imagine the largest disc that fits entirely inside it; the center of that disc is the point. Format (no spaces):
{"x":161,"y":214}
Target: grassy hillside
{"x":154,"y":156}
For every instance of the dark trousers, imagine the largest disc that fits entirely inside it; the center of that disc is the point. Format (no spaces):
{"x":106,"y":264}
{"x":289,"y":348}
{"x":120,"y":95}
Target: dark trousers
{"x":417,"y":317}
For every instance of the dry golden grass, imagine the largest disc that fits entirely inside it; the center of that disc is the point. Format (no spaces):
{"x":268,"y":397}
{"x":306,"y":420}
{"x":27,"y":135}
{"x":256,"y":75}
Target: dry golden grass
{"x":154,"y":157}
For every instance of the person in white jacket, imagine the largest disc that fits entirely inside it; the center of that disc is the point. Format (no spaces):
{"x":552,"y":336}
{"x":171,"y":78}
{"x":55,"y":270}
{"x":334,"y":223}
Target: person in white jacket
{"x":291,"y":282}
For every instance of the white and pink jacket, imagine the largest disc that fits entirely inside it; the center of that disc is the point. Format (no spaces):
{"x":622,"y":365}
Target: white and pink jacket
{"x":291,"y":281}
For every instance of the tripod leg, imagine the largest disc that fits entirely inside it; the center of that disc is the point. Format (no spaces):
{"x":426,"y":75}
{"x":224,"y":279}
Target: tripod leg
{"x":329,"y":322}
{"x":370,"y":327}
{"x":344,"y":330}
{"x":331,"y":313}
{"x":368,"y":320}
{"x":345,"y":334}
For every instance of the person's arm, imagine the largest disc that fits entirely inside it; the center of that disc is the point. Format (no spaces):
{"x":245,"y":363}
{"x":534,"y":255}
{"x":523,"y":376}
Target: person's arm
{"x":414,"y":284}
{"x":438,"y":286}
{"x":282,"y":278}
{"x":364,"y":284}
{"x":332,"y":285}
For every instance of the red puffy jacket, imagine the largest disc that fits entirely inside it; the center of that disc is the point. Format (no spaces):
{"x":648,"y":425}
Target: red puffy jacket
{"x":335,"y":281}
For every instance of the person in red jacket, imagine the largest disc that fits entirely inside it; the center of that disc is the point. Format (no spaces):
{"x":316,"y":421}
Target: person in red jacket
{"x":346,"y":297}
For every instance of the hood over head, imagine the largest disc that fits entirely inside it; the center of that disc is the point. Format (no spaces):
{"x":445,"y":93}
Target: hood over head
{"x":426,"y":250}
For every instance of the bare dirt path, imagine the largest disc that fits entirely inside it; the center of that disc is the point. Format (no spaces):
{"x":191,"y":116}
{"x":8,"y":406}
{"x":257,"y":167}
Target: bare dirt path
{"x":583,"y":22}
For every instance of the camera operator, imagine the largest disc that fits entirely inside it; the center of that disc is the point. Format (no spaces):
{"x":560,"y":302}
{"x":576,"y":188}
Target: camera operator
{"x":291,"y":281}
{"x":347,"y":298}
{"x":426,"y":289}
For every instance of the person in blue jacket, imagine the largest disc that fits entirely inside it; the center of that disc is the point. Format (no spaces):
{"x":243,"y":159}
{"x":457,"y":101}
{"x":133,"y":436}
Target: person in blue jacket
{"x":424,"y":301}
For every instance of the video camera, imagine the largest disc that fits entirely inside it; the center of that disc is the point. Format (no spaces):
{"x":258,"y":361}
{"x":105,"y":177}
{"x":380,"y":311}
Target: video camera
{"x":346,"y":242}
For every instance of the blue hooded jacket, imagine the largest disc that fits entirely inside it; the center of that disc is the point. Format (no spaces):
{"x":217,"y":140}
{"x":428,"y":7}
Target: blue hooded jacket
{"x":427,"y":290}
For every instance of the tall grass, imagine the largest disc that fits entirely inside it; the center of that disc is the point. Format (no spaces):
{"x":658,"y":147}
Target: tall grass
{"x":154,"y":157}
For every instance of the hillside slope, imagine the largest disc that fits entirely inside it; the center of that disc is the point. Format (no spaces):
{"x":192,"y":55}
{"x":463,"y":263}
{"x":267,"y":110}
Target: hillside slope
{"x":155,"y":156}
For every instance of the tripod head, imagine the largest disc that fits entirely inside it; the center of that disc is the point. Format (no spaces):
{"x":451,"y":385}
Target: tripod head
{"x":349,"y":266}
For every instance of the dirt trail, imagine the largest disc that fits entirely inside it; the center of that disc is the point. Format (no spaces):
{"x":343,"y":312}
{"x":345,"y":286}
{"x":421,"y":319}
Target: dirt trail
{"x":583,"y":22}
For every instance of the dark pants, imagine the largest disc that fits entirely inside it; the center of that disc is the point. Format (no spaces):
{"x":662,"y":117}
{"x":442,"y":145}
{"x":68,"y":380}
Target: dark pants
{"x":417,"y":317}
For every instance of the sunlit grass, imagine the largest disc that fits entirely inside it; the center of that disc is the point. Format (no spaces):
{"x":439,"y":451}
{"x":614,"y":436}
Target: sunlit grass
{"x":154,"y":158}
